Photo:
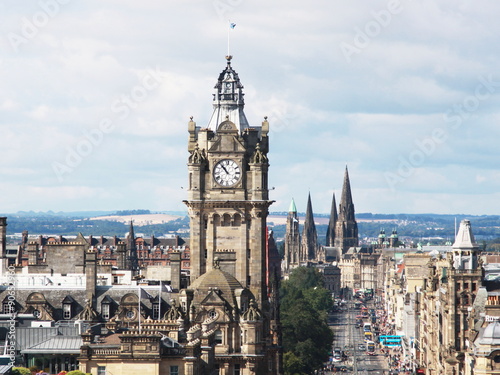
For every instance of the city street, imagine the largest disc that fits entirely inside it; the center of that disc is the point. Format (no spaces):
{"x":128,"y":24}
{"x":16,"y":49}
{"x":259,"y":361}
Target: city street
{"x":351,"y":340}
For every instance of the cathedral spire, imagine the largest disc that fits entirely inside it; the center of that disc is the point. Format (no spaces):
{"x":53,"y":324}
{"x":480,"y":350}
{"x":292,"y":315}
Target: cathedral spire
{"x":346,"y":207}
{"x":330,"y":231}
{"x":309,"y":234}
{"x":346,"y":229}
{"x":228,"y":100}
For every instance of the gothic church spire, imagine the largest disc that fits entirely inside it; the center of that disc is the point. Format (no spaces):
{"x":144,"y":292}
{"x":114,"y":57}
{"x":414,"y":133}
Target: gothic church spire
{"x":346,"y":229}
{"x":309,"y":234}
{"x":330,"y":231}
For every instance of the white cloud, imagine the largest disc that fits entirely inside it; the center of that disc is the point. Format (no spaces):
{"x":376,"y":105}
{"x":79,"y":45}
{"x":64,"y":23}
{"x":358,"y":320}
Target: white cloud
{"x":324,"y":111}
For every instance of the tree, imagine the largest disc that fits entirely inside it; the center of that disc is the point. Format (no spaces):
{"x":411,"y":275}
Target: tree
{"x":307,"y":338}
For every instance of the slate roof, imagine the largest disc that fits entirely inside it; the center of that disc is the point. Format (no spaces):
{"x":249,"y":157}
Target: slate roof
{"x":56,"y":345}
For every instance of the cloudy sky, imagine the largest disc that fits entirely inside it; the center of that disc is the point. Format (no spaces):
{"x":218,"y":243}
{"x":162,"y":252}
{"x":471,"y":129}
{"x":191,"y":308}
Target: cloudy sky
{"x":95,"y":97}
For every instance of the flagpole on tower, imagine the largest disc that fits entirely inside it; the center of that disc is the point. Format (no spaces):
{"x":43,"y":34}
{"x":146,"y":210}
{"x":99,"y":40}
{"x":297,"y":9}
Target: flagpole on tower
{"x":231,"y":26}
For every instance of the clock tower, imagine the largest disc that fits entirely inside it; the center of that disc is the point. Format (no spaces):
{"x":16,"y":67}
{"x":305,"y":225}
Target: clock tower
{"x":228,"y":197}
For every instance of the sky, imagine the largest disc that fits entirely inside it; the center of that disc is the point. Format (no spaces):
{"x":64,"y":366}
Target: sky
{"x":95,"y":98}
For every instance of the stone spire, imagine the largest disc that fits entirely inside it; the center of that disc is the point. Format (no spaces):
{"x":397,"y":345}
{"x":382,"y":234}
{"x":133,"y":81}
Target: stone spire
{"x":330,"y":231}
{"x":131,"y":249}
{"x":346,"y":207}
{"x":309,"y":234}
{"x":346,"y":229}
{"x":292,"y":239}
{"x":228,"y":100}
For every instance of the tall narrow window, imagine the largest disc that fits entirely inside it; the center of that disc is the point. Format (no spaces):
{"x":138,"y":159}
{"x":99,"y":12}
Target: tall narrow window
{"x":105,"y":311}
{"x":174,"y":370}
{"x":156,"y":311}
{"x":218,"y":337}
{"x":66,"y":311}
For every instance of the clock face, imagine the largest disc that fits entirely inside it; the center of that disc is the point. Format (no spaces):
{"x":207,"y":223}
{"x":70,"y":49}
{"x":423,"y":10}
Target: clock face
{"x":227,"y":172}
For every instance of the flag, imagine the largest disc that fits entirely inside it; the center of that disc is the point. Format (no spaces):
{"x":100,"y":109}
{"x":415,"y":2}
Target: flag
{"x":232,"y":25}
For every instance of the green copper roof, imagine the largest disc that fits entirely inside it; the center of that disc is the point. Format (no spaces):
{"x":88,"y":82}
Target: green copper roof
{"x":292,"y":206}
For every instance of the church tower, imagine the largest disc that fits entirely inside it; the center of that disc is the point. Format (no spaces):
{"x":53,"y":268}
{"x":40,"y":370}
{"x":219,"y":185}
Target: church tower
{"x":228,"y":197}
{"x":132,"y":260}
{"x":346,"y":230}
{"x":292,"y":239}
{"x":330,"y":231}
{"x":309,"y":235}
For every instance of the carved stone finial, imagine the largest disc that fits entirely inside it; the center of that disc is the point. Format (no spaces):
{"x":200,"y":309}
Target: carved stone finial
{"x":253,"y":313}
{"x":217,"y":263}
{"x":197,"y":156}
{"x":258,"y":156}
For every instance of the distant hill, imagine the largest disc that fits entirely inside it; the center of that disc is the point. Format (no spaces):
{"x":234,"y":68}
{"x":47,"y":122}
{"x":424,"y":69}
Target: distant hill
{"x":106,"y":223}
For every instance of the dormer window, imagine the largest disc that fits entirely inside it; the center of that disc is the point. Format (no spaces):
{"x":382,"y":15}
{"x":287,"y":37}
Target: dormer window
{"x":228,"y":87}
{"x":106,"y":304}
{"x":68,"y":307}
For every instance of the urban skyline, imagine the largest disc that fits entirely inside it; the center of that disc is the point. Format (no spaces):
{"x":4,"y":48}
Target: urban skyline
{"x":96,"y":97}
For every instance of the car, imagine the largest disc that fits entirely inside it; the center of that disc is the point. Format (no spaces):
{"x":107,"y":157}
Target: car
{"x":362,"y":347}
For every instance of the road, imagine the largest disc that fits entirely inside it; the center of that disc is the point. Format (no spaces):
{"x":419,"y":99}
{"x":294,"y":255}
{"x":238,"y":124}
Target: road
{"x":348,"y":337}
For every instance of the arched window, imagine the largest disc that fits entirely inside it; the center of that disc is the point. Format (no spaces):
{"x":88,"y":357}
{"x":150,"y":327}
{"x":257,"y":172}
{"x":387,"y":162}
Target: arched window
{"x":226,"y":220}
{"x":237,"y":220}
{"x":216,"y":220}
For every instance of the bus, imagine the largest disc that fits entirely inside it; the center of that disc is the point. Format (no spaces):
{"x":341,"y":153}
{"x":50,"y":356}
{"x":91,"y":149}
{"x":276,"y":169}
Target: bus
{"x":367,"y":327}
{"x":370,"y":348}
{"x":390,"y":341}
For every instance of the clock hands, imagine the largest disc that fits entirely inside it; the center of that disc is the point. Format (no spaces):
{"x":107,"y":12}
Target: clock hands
{"x":225,"y":170}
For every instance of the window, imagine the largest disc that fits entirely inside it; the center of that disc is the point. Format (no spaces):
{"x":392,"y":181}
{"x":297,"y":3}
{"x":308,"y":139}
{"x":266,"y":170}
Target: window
{"x":6,"y":307}
{"x":101,"y":370}
{"x":212,"y":314}
{"x":105,"y":311}
{"x":218,"y":337}
{"x":156,"y":311}
{"x":237,"y":369}
{"x":67,"y":311}
{"x":174,"y":370}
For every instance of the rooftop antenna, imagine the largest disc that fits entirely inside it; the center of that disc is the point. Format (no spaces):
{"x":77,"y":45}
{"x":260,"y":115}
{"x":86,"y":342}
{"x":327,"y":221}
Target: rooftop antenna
{"x":232,"y":25}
